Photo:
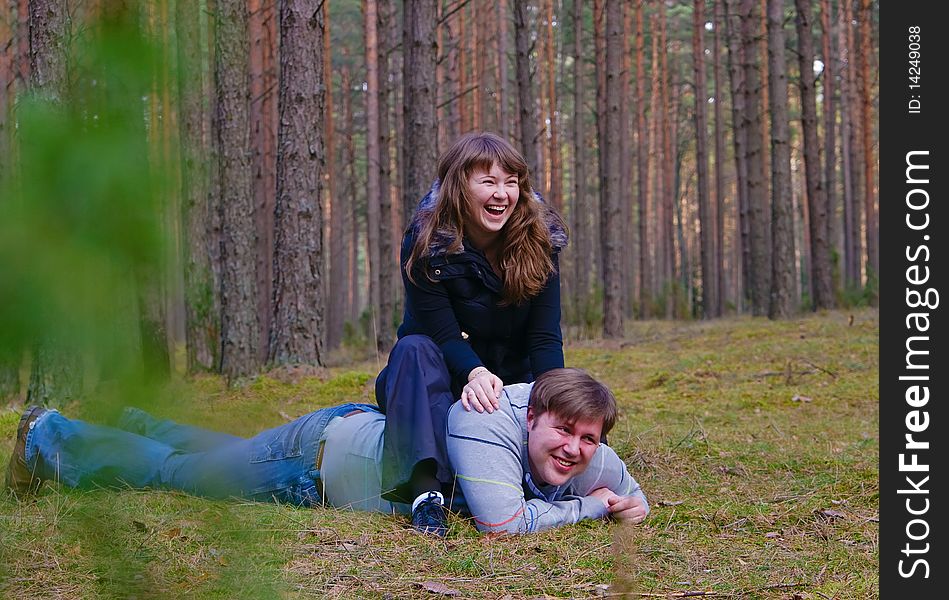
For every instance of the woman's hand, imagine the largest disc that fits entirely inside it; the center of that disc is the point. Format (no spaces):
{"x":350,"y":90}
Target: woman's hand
{"x":622,"y":508}
{"x":482,"y":391}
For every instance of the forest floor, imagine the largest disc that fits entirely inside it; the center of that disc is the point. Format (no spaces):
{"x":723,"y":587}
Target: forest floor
{"x":756,"y":443}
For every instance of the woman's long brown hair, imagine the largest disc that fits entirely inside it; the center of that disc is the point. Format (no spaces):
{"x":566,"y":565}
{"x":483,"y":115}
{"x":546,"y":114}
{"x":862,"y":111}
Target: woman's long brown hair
{"x":526,"y":246}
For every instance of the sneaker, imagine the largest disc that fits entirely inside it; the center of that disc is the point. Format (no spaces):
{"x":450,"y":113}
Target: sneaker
{"x":20,"y":478}
{"x":429,"y":516}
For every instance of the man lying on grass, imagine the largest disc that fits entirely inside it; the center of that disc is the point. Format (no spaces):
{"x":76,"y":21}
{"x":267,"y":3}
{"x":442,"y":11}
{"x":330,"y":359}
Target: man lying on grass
{"x":535,"y":463}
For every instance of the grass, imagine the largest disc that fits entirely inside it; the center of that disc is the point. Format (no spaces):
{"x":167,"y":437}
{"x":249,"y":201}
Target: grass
{"x":756,"y":443}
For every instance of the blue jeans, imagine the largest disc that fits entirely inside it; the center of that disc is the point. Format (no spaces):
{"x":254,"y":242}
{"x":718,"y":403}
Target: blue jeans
{"x":275,"y":465}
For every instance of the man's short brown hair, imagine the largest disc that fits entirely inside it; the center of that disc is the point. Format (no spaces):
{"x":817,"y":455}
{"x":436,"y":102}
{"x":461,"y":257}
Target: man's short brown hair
{"x":573,"y":395}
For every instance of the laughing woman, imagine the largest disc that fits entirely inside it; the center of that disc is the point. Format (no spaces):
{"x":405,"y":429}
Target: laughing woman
{"x":482,"y":310}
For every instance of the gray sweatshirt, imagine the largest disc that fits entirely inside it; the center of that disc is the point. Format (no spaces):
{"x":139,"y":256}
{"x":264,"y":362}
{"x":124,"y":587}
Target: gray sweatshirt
{"x":488,"y":454}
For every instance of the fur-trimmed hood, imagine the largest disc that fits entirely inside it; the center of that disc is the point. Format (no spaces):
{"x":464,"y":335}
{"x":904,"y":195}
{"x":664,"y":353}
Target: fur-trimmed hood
{"x":442,"y":239}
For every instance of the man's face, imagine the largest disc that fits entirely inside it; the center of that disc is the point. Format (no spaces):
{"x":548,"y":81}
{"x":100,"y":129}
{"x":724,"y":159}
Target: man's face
{"x":558,"y":450}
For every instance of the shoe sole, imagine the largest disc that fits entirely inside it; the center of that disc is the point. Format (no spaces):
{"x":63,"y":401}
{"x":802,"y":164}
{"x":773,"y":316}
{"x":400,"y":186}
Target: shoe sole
{"x":18,"y":459}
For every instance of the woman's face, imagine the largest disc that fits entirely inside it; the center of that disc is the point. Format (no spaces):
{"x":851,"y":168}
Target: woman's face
{"x":493,"y":196}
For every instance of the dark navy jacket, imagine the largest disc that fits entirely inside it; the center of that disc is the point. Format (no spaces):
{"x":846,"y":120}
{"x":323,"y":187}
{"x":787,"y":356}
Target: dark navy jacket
{"x":455,"y":293}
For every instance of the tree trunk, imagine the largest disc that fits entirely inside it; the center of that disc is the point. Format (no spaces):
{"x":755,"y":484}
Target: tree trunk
{"x":296,"y":335}
{"x":388,"y":262}
{"x":850,"y":223}
{"x":21,"y":44}
{"x":682,"y":295}
{"x":765,"y":101}
{"x":56,"y":373}
{"x":152,"y":322}
{"x":9,"y":375}
{"x":626,"y":169}
{"x":449,"y":119}
{"x":579,"y":209}
{"x":655,"y":223}
{"x":49,"y":41}
{"x":440,"y":79}
{"x":351,"y":224}
{"x":555,"y":197}
{"x":398,"y":213}
{"x":740,"y":142}
{"x":866,"y":112}
{"x":8,"y":86}
{"x":830,"y":138}
{"x":466,"y":79}
{"x":599,"y":62}
{"x":642,"y":166}
{"x":473,"y":51}
{"x":821,"y":285}
{"x":418,"y":99}
{"x":171,"y":293}
{"x":802,"y":219}
{"x":239,"y":320}
{"x":669,"y":166}
{"x":759,"y":223}
{"x":10,"y":32}
{"x":201,"y":277}
{"x":611,"y":196}
{"x":373,"y":161}
{"x":856,"y":146}
{"x":150,"y":286}
{"x":706,"y":217}
{"x":336,"y":240}
{"x":464,"y":114}
{"x":419,"y":146}
{"x":783,"y":284}
{"x":683,"y":219}
{"x":504,"y":119}
{"x":525,"y":91}
{"x":718,"y":207}
{"x":9,"y":358}
{"x":540,"y":70}
{"x":487,"y":63}
{"x":391,"y":282}
{"x":263,"y":116}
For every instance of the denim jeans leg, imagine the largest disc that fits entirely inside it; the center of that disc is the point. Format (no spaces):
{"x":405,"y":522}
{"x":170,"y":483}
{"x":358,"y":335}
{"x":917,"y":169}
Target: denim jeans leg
{"x":277,"y":464}
{"x":81,"y":454}
{"x":176,"y":435}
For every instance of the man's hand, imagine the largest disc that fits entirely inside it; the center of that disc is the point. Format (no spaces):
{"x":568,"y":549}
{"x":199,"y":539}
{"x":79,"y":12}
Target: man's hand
{"x":623,"y":508}
{"x":482,"y":391}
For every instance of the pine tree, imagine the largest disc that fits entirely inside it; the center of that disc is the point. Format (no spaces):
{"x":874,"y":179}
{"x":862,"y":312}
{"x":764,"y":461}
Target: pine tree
{"x":710,"y":306}
{"x":611,"y":196}
{"x":821,"y":284}
{"x":56,"y":372}
{"x":240,"y":335}
{"x":783,"y":296}
{"x":296,"y":333}
{"x":201,"y":272}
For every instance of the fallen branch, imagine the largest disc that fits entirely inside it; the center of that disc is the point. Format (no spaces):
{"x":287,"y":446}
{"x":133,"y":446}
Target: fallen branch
{"x":784,"y":373}
{"x":816,"y":366}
